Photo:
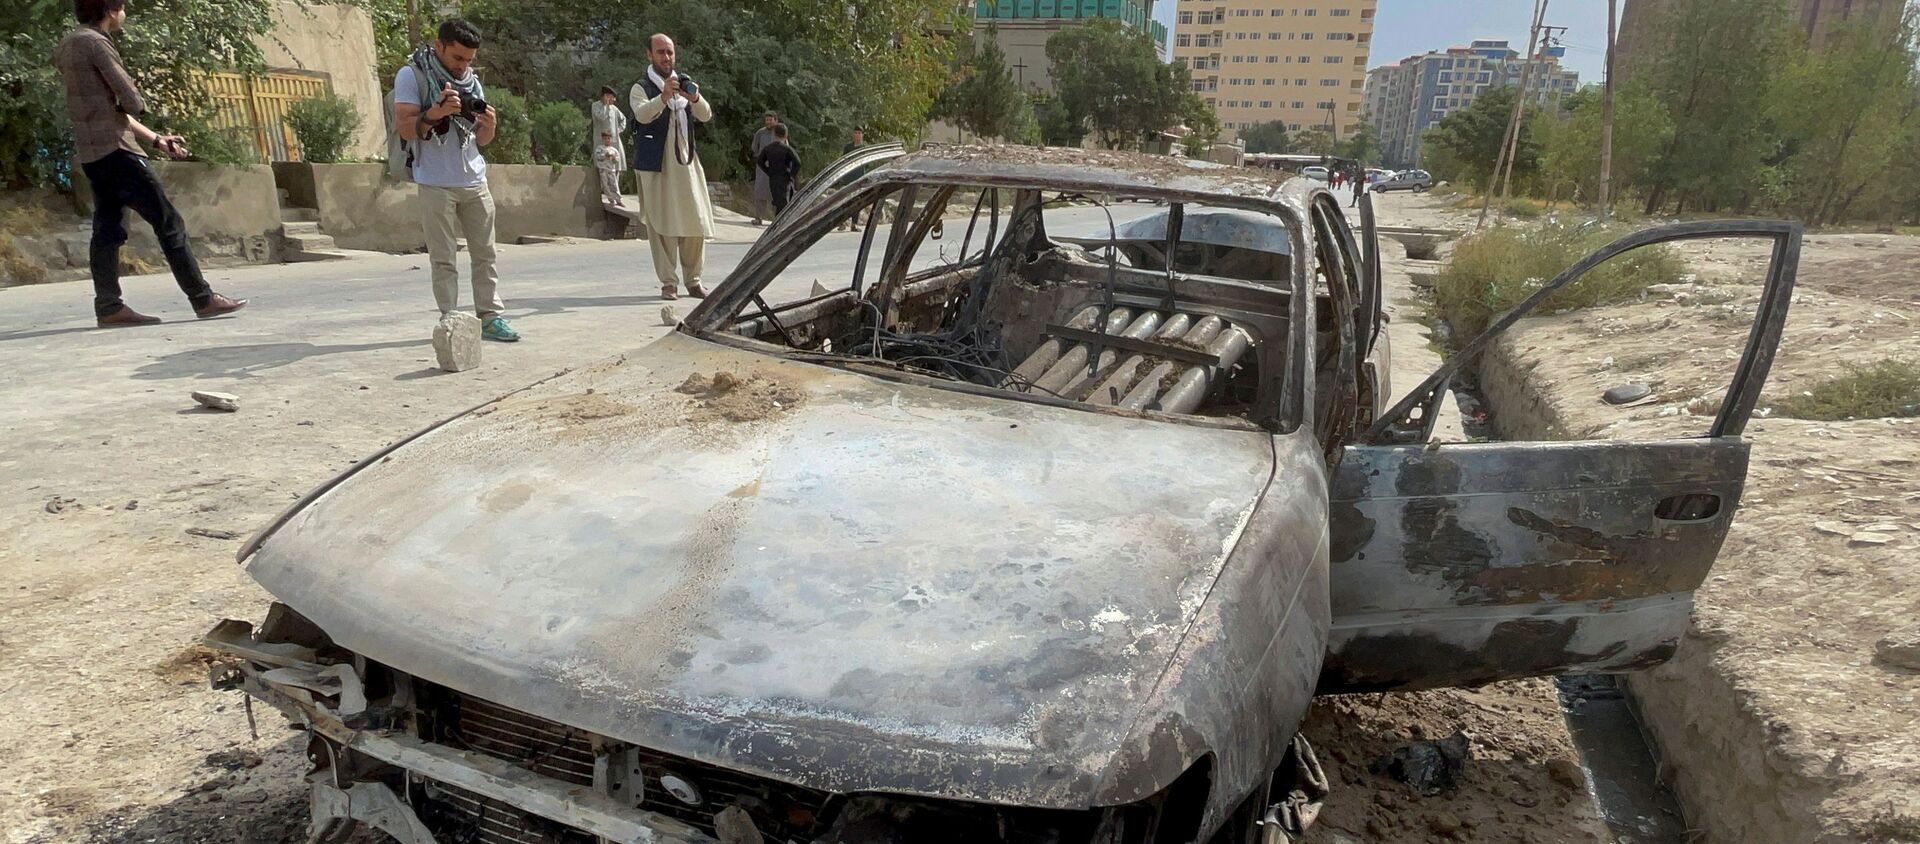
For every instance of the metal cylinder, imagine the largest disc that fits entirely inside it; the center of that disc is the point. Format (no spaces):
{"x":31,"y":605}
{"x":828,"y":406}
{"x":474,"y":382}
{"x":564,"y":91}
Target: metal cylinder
{"x":1050,"y":351}
{"x":1148,"y":387}
{"x":1127,"y":373}
{"x":1187,"y":393}
{"x":1076,"y":356}
{"x":1086,"y":377}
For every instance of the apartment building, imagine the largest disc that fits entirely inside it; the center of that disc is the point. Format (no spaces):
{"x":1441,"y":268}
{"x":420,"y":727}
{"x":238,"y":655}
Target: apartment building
{"x":1406,"y":99}
{"x":1301,"y":62}
{"x":1022,"y":27}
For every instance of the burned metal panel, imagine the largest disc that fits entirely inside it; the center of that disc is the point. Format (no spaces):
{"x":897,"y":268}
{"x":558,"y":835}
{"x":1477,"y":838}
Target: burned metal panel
{"x":870,"y":585}
{"x":1519,"y":559}
{"x":1241,"y":681}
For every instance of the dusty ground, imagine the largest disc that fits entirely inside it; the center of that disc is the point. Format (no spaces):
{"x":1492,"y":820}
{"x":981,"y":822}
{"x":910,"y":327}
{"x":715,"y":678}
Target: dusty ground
{"x":1778,"y":680}
{"x":107,"y":730}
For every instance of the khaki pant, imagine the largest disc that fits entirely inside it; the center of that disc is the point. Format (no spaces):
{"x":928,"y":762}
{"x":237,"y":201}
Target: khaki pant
{"x":469,"y":212}
{"x":686,"y":254}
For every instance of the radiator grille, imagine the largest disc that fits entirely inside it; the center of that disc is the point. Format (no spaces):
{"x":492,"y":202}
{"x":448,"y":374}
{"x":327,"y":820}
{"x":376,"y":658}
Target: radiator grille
{"x":779,"y":810}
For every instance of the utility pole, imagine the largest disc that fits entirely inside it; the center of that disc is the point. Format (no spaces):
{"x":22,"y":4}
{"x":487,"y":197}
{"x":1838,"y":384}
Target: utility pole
{"x":413,"y":23}
{"x":1606,"y":123}
{"x":1526,"y":93}
{"x":1510,"y":141}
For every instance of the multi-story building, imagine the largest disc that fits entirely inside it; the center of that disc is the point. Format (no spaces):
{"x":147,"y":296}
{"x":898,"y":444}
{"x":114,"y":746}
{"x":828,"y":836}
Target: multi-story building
{"x":1022,"y":28}
{"x":1410,"y":97}
{"x":1641,"y":28}
{"x":1301,"y":62}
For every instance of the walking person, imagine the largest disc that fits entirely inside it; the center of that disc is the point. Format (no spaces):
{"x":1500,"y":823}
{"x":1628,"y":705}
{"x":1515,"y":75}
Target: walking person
{"x":668,"y":108}
{"x":440,"y":107}
{"x":1359,"y":186}
{"x":762,"y":183}
{"x":610,"y":121}
{"x":782,"y":168}
{"x":105,"y":107}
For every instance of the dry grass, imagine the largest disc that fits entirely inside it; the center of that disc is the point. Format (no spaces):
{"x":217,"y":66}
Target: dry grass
{"x":1495,"y":270}
{"x":135,"y":265}
{"x":20,"y":267}
{"x":1884,"y":388}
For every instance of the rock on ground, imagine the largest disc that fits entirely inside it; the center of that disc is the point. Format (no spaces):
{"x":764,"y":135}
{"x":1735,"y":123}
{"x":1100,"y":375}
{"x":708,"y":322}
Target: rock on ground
{"x":456,"y":341}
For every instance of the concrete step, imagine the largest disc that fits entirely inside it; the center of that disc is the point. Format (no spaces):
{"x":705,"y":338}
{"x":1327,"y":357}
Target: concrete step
{"x":289,"y":229}
{"x":298,"y":246}
{"x":291,"y":214}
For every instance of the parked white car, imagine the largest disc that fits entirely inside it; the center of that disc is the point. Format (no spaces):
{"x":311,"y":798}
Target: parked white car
{"x":1315,"y":172}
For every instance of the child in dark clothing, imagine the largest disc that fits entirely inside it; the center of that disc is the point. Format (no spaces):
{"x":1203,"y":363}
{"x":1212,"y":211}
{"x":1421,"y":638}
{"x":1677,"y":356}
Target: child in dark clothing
{"x":782,"y":167}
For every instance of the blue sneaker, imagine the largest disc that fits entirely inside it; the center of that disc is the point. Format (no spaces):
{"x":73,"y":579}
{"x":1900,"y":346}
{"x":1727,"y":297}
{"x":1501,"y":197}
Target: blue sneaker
{"x":499,"y":329}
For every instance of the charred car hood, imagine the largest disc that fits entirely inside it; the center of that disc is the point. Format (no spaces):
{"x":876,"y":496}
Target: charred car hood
{"x":827,"y":578}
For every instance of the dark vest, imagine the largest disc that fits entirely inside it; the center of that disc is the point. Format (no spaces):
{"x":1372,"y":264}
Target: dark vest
{"x":650,"y":140}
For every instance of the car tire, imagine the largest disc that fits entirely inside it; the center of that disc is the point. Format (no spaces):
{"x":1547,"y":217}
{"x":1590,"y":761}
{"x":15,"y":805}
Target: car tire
{"x":1419,"y":189}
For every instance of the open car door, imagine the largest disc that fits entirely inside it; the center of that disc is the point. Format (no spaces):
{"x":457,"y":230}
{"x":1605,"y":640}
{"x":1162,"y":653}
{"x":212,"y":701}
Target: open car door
{"x":1463,"y":564}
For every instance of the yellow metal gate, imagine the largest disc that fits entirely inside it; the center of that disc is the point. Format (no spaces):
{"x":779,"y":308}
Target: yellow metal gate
{"x":256,"y":106}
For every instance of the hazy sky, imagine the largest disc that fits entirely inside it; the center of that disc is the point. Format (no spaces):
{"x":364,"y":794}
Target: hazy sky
{"x":1408,"y":27}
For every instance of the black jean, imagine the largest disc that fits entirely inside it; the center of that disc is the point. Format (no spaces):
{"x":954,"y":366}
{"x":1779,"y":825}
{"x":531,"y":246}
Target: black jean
{"x":782,"y":195}
{"x":120,"y":181}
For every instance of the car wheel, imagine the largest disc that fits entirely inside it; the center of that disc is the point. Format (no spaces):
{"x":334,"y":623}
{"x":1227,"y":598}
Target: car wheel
{"x":1419,"y":189}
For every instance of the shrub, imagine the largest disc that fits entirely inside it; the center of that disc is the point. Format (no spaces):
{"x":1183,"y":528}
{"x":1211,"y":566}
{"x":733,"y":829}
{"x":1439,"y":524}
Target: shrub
{"x":1880,"y":389}
{"x":325,"y":126}
{"x":513,"y":134}
{"x":1493,"y":271}
{"x":560,"y":133}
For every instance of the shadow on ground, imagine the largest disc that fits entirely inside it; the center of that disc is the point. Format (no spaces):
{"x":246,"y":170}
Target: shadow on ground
{"x":249,"y":360}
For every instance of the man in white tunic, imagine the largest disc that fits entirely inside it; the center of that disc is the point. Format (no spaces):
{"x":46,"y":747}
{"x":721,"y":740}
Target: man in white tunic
{"x":667,"y":111}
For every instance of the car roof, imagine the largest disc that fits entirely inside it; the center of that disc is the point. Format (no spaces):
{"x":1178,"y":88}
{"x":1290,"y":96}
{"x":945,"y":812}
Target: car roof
{"x":1096,"y":171}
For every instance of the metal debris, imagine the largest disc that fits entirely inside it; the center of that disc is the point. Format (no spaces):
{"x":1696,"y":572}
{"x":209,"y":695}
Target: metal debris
{"x":1431,"y":767}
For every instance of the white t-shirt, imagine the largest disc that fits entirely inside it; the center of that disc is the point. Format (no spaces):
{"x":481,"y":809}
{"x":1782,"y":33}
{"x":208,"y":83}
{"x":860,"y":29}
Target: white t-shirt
{"x":440,"y":161}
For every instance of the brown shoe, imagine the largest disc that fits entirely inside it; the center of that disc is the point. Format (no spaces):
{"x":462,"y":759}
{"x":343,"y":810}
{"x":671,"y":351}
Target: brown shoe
{"x":125,"y":318}
{"x":667,"y":292}
{"x":697,"y":292}
{"x":219,"y":306}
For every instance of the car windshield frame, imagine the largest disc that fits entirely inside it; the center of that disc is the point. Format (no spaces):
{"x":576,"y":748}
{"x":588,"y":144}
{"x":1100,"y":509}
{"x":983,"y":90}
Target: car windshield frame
{"x":734,"y":295}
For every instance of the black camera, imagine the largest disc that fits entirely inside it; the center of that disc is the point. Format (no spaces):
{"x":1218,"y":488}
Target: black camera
{"x":473,"y":108}
{"x":686,"y":84}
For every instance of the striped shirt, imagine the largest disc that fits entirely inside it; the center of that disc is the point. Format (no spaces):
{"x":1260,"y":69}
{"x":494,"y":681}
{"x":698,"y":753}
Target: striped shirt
{"x":100,"y":95}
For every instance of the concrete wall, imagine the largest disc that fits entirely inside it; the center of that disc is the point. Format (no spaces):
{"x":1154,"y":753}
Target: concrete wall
{"x":363,"y":209}
{"x":336,"y":40}
{"x":230,"y":211}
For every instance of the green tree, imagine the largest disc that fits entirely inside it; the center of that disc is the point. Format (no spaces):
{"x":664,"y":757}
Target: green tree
{"x":324,"y":125}
{"x":1363,"y":145}
{"x":513,"y":132}
{"x":1112,"y":77}
{"x":1570,"y":160}
{"x":1059,"y":125}
{"x":983,"y":97}
{"x":878,"y":65}
{"x":560,"y":133}
{"x":1268,"y":137}
{"x":1712,"y":66}
{"x":169,"y":46}
{"x":1845,"y":111}
{"x":1314,"y":140}
{"x":1468,"y":140}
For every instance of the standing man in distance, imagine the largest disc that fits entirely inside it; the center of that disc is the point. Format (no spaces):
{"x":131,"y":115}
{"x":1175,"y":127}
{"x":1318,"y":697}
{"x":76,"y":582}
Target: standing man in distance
{"x":105,"y":105}
{"x":667,"y":110}
{"x":762,"y":181}
{"x":446,"y":129}
{"x":608,"y":120}
{"x":859,"y":140}
{"x":781,"y":166}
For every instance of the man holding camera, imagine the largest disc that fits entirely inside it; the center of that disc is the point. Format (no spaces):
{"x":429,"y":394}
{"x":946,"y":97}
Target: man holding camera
{"x":105,"y":106}
{"x":445,"y":130}
{"x":667,"y":107}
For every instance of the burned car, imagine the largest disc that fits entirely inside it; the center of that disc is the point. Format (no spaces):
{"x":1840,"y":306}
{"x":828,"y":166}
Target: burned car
{"x":1046,"y":533}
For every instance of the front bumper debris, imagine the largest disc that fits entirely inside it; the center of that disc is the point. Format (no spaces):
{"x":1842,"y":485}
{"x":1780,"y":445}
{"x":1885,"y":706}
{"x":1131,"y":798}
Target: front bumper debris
{"x":351,"y":790}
